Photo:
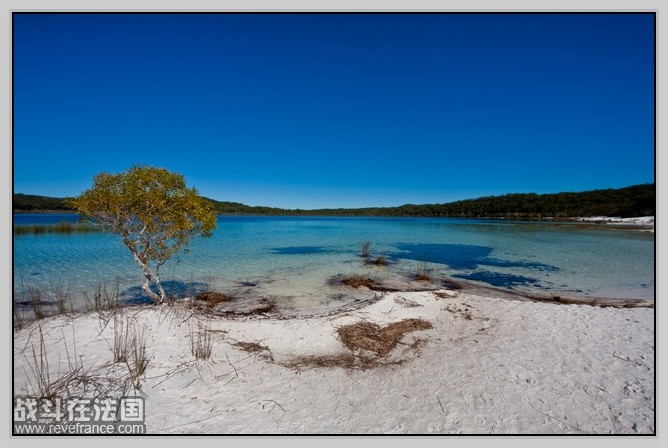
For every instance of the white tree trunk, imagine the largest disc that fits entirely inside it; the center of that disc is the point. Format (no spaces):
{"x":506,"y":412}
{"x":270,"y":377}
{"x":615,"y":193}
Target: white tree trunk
{"x":149,"y":277}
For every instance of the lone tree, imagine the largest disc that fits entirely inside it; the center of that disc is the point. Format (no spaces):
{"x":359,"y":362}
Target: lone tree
{"x":154,"y":212}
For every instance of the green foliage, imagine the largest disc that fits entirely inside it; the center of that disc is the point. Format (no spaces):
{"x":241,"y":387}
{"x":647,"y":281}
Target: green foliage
{"x":153,"y":211}
{"x":638,"y":200}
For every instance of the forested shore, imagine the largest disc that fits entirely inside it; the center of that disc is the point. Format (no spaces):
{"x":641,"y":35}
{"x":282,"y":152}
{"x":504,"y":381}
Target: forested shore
{"x":637,"y":200}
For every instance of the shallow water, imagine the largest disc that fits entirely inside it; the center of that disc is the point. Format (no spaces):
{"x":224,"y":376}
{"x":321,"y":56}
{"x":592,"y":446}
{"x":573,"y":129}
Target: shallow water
{"x":289,"y":260}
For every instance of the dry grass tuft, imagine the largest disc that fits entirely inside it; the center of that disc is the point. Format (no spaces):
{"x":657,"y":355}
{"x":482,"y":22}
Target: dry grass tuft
{"x":423,"y":272}
{"x":407,"y":303}
{"x":209,"y":299}
{"x":201,"y":344}
{"x":261,"y":308}
{"x":358,"y":281}
{"x":255,"y":347}
{"x":443,"y":295}
{"x":265,"y":307}
{"x":362,"y":338}
{"x":377,"y":339}
{"x":451,"y":284}
{"x":251,"y":347}
{"x":346,"y":361}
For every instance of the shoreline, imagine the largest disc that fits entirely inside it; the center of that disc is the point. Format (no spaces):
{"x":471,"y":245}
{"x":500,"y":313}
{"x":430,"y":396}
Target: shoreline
{"x":235,"y":307}
{"x":638,"y":220}
{"x":487,"y":365}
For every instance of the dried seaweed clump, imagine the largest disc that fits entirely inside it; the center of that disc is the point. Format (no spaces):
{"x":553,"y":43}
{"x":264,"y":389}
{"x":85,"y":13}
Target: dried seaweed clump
{"x":345,"y":360}
{"x":377,"y":339}
{"x":359,"y":281}
{"x":209,"y":299}
{"x":369,"y":344}
{"x":255,"y":347}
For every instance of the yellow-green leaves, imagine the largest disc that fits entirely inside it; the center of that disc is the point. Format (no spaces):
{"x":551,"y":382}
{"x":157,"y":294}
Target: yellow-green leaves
{"x":153,"y":210}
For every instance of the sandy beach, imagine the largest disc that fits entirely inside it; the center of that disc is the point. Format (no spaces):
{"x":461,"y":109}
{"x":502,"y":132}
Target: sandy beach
{"x":642,"y":222}
{"x":474,"y":365}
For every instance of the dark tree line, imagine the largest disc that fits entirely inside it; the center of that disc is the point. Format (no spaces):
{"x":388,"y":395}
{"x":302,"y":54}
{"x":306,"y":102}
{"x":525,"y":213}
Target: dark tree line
{"x":31,"y":202}
{"x":637,"y":200}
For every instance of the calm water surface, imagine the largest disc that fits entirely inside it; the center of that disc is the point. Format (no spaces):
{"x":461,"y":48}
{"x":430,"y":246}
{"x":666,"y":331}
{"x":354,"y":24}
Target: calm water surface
{"x":289,"y":259}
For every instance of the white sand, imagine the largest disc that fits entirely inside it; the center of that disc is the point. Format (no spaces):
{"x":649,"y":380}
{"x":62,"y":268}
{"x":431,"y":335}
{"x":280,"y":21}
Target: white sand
{"x":644,"y":221}
{"x":514,"y":367}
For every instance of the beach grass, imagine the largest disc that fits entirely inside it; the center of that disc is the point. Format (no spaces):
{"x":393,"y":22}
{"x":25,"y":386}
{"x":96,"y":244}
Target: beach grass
{"x":201,"y":344}
{"x":103,"y":298}
{"x":138,"y":360}
{"x":423,"y":272}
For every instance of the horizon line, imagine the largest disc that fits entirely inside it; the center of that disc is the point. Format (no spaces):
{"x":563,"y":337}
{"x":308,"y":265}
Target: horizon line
{"x":379,"y":206}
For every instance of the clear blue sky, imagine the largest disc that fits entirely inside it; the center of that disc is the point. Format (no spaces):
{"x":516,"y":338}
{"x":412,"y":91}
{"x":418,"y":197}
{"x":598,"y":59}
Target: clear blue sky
{"x":336,"y":110}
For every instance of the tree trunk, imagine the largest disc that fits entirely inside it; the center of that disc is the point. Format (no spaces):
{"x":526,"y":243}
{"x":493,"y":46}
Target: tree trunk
{"x":149,"y":277}
{"x":156,"y":279}
{"x":147,"y":289}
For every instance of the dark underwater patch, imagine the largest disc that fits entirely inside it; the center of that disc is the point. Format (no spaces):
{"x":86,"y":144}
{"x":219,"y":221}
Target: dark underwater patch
{"x":462,"y":256}
{"x":508,"y":281}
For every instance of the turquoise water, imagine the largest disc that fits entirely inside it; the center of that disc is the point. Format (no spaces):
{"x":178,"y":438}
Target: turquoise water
{"x":290,"y":259}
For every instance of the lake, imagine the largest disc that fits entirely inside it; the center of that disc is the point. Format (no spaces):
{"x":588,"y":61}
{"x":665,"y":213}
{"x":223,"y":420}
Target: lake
{"x":290,"y":260}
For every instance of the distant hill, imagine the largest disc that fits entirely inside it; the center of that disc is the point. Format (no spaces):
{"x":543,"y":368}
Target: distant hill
{"x":31,"y":203}
{"x":637,"y":200}
{"x":23,"y":203}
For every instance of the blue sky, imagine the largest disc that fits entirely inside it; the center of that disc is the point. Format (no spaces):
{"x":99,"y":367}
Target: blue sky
{"x":336,"y":110}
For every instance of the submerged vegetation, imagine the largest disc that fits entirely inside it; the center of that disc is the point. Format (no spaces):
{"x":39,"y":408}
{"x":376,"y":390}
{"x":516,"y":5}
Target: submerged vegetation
{"x":637,"y":200}
{"x":365,"y":250}
{"x":63,"y":227}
